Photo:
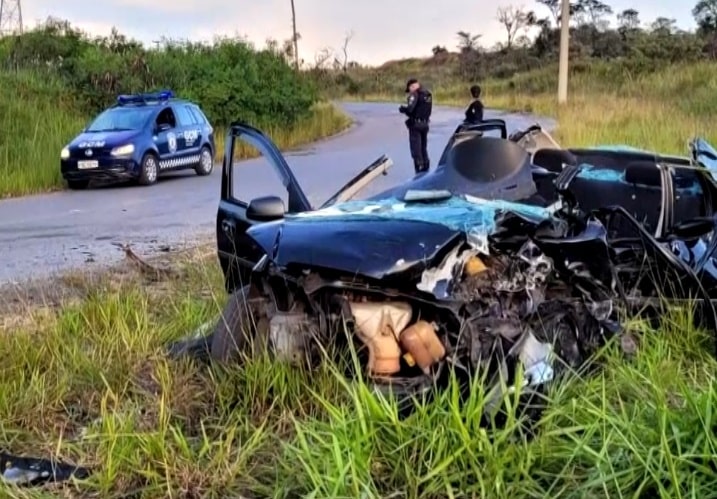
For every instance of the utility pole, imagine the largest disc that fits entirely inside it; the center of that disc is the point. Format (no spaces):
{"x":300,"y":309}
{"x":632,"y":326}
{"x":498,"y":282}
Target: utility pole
{"x":564,"y":49}
{"x":10,"y":17}
{"x":295,"y":36}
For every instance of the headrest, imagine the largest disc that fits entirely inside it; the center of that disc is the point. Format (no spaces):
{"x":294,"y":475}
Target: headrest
{"x":643,"y":172}
{"x":553,"y":159}
{"x":487,"y":159}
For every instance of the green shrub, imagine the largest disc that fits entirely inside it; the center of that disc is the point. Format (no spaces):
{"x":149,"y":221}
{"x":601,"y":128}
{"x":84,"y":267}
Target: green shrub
{"x":230,"y":78}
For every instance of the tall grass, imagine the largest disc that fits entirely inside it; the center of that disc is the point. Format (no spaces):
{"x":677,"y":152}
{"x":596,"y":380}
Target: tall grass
{"x":37,"y":119}
{"x":607,"y":104}
{"x":90,"y":383}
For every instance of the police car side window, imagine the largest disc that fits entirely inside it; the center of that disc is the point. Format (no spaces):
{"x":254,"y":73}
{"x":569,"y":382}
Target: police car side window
{"x":184,"y":116}
{"x":198,"y":116}
{"x":166,"y":116}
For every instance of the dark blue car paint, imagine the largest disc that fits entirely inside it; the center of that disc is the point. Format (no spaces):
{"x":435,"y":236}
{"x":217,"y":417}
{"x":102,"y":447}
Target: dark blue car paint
{"x":379,"y":236}
{"x":386,"y":237}
{"x":374,"y":252}
{"x":97,"y":145}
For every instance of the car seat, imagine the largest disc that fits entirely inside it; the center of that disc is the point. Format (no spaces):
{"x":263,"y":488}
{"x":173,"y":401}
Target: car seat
{"x":553,"y":159}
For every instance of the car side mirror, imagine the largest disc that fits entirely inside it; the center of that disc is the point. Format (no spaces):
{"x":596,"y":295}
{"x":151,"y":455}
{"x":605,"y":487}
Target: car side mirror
{"x":265,"y":209}
{"x":163,"y":127}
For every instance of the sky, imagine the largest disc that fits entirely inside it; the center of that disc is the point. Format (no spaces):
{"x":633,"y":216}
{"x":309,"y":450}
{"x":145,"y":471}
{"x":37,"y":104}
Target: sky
{"x":382,"y":29}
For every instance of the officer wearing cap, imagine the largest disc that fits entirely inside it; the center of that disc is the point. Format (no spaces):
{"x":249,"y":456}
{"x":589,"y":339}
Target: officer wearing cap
{"x":419,"y":105}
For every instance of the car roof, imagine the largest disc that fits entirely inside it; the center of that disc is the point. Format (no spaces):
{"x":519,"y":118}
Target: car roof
{"x":153,"y":104}
{"x":155,"y":100}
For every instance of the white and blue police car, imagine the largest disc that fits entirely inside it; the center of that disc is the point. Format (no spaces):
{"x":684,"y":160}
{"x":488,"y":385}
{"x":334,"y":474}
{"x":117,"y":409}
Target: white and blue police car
{"x":139,"y":138}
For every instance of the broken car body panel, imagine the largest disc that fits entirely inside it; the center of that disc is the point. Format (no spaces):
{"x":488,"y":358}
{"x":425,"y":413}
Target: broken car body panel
{"x":501,"y":255}
{"x":379,"y":238}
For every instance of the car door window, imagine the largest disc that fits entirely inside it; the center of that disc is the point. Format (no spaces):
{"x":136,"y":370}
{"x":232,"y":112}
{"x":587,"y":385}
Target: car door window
{"x":689,"y":191}
{"x":184,"y":116}
{"x":198,"y":115}
{"x":166,"y":117}
{"x":253,"y":175}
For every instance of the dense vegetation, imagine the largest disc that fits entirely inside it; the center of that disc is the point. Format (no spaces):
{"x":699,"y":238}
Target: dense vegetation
{"x":229,"y":78}
{"x":648,"y":86}
{"x":597,"y":35}
{"x":54,"y":78}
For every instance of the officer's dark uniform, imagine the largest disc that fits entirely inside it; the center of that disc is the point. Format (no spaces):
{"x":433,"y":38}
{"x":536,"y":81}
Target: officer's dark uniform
{"x":474,"y":113}
{"x":418,"y":109}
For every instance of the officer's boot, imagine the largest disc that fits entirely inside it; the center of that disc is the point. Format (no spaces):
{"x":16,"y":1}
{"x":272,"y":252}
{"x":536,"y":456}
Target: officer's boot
{"x":418,"y":166}
{"x":427,"y":165}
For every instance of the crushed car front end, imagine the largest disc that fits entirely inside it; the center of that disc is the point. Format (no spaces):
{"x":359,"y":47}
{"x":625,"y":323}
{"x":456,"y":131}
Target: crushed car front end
{"x":454,"y":284}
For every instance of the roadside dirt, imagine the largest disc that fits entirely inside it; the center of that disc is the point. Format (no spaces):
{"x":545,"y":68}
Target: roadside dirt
{"x":24,"y":303}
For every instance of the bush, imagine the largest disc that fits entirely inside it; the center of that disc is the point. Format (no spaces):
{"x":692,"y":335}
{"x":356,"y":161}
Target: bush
{"x":55,"y":78}
{"x":230,"y":78}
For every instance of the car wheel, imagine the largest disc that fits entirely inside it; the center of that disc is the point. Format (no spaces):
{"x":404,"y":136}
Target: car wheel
{"x":241,"y":323}
{"x":149,"y":169}
{"x":206,"y":162}
{"x":77,"y":185}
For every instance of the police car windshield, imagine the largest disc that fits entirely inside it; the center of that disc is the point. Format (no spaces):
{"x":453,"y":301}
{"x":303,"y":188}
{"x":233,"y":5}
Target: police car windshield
{"x":120,"y":118}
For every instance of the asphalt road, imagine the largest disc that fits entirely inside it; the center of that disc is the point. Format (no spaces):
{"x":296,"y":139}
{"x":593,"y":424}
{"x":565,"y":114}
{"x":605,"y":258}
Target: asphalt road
{"x":44,"y":234}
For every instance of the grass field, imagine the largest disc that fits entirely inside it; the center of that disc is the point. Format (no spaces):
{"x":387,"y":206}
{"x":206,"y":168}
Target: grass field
{"x":607,"y":104}
{"x":90,"y":383}
{"x":37,"y":119}
{"x":85,"y":377}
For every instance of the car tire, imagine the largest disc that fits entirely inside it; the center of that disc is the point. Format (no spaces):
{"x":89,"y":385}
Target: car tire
{"x":206,"y":162}
{"x":78,"y":185}
{"x":148,"y":169}
{"x":241,"y":322}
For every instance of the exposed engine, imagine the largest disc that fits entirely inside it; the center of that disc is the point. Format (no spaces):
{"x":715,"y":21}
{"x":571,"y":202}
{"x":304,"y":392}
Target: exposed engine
{"x":473,"y":312}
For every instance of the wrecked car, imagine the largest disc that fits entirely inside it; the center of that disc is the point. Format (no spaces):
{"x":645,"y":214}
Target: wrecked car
{"x":471,"y":268}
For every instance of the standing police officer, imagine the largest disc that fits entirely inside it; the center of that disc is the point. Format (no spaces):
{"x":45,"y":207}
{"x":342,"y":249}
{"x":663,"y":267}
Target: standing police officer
{"x":418,"y":109}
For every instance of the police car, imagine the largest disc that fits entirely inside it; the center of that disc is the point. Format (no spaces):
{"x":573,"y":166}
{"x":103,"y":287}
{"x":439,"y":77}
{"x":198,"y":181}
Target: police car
{"x":139,"y":138}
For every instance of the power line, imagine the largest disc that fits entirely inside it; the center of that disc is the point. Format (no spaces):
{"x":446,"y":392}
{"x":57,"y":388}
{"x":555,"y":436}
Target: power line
{"x":10,"y":17}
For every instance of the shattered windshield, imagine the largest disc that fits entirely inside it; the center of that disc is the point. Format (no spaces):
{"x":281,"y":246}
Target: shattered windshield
{"x":119,"y":119}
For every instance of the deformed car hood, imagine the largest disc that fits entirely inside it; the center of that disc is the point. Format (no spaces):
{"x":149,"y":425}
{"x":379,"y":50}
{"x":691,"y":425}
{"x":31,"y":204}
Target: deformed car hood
{"x":378,"y":238}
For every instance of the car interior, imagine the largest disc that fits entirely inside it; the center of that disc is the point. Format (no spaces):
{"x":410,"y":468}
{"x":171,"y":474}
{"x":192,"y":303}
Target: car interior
{"x":628,"y":178}
{"x":166,"y":117}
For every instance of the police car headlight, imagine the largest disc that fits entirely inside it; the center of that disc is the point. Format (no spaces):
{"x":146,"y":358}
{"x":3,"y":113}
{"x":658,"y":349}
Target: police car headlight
{"x":123,"y":150}
{"x":65,"y":153}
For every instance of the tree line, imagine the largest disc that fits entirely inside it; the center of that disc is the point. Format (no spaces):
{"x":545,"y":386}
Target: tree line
{"x":228,"y":77}
{"x":531,"y":40}
{"x":596,"y":32}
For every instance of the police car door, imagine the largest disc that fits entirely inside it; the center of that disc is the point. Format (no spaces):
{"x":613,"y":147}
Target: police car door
{"x":189,"y":139}
{"x":166,"y":132}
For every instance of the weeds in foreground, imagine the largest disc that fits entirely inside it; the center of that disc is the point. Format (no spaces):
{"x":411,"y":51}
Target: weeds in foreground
{"x":91,"y":384}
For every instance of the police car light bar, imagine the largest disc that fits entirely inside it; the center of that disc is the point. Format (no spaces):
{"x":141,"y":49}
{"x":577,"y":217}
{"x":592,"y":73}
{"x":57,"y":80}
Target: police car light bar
{"x":161,"y":96}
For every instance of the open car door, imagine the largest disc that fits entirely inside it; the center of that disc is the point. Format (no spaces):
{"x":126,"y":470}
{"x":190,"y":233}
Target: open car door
{"x":263,"y":189}
{"x":534,"y":138}
{"x":379,"y":167}
{"x":258,"y":190}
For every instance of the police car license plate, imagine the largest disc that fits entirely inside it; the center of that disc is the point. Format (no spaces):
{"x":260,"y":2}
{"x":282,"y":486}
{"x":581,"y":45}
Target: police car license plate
{"x":88,"y":164}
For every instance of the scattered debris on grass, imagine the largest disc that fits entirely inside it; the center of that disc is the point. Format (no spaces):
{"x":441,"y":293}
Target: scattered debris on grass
{"x":28,"y":471}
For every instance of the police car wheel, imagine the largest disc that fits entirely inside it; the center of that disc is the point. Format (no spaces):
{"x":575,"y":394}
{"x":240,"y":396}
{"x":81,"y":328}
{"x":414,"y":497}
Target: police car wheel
{"x":206,"y":162}
{"x":149,"y":169}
